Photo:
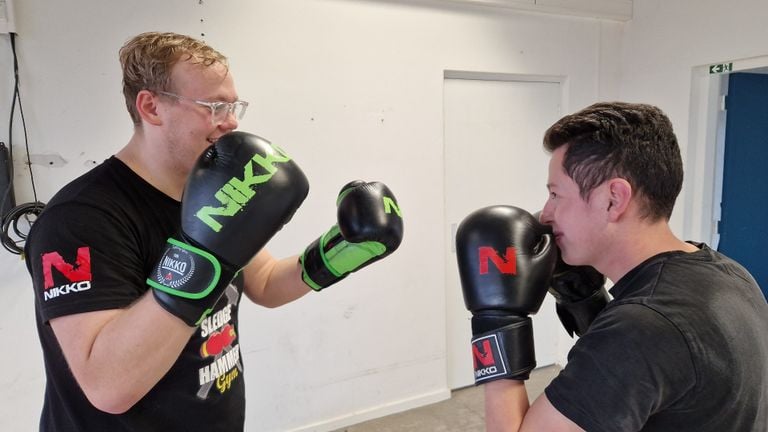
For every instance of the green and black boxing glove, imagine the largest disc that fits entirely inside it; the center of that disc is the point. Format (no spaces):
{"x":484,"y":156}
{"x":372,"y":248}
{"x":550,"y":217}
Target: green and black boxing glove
{"x":241,"y":191}
{"x":369,"y":228}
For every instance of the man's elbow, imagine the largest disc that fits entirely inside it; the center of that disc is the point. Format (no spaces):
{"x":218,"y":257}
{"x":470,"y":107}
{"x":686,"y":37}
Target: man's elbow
{"x":265,"y":302}
{"x":110,"y":400}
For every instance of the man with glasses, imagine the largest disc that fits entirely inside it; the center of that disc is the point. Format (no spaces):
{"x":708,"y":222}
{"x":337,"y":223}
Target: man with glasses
{"x":132,"y":339}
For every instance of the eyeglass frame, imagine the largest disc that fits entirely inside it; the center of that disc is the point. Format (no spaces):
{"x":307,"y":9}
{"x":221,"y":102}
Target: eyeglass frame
{"x":213,"y":106}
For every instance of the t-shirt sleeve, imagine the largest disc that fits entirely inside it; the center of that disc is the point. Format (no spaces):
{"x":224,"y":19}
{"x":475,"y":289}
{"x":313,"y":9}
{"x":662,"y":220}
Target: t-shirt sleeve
{"x":632,"y":363}
{"x":82,"y":259}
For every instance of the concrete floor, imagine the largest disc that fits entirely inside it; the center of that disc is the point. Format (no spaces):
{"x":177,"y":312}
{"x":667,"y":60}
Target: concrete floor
{"x":463,"y":412}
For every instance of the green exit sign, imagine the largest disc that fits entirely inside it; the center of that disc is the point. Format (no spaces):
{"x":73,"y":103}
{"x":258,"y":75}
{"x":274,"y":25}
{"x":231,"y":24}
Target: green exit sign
{"x":720,"y":68}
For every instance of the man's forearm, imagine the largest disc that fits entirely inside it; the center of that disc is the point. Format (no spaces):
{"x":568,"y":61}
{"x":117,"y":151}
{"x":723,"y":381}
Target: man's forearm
{"x":117,"y":356}
{"x":271,"y":283}
{"x":506,"y":402}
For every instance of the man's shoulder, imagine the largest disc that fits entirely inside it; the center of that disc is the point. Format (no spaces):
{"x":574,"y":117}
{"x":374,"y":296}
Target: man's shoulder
{"x":97,"y":182}
{"x":92,"y":201}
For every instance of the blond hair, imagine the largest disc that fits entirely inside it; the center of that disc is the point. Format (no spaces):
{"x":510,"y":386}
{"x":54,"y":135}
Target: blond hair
{"x":147,"y":60}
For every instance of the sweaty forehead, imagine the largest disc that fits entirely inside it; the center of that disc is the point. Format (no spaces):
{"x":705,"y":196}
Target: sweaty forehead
{"x":190,"y":73}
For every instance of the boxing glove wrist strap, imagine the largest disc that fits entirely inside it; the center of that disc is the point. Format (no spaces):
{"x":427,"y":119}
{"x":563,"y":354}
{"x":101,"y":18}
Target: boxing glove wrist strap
{"x":330,"y":258}
{"x":315,"y":270}
{"x":185,"y":281}
{"x":504,"y":353}
{"x":578,"y":316}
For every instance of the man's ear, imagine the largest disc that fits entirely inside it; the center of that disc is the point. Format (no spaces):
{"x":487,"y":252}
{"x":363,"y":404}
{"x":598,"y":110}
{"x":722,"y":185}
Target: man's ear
{"x":146,"y":106}
{"x":619,"y":197}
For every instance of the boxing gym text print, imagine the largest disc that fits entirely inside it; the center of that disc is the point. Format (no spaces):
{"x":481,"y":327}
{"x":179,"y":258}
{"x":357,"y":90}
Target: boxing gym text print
{"x":220,"y":334}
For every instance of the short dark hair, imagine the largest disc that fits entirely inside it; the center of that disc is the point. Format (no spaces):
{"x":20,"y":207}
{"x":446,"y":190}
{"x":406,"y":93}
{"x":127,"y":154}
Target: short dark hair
{"x":635,"y":142}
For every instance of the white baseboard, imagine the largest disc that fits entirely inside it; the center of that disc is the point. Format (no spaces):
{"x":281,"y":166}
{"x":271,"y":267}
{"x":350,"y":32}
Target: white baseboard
{"x":376,"y":412}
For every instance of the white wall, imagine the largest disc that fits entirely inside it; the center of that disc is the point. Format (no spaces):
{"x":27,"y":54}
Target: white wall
{"x":352,"y":89}
{"x":661,"y":45}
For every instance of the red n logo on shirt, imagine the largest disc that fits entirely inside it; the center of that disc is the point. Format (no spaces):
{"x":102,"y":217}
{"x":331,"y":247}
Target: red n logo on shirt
{"x":77,"y":272}
{"x":506,"y":264}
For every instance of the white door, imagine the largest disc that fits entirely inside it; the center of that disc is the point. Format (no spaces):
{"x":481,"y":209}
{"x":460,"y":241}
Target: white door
{"x":493,"y":131}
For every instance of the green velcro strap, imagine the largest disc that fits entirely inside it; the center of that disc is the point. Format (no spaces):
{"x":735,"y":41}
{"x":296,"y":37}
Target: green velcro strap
{"x":305,"y":275}
{"x":346,"y":257}
{"x":332,"y":234}
{"x":185,"y":271}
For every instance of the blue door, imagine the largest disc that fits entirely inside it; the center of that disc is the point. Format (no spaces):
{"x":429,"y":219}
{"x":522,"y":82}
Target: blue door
{"x":743,"y":224}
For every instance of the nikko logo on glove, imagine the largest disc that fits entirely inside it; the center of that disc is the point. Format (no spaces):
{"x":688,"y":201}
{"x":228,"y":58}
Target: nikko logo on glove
{"x":507,"y":352}
{"x":237,"y":192}
{"x":179,"y":263}
{"x":488,"y":361}
{"x":506,"y":264}
{"x":241,"y":191}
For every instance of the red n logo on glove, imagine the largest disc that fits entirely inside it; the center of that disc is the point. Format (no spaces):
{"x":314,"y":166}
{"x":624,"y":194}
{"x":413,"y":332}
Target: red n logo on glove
{"x":484,"y":356}
{"x":506,"y":264}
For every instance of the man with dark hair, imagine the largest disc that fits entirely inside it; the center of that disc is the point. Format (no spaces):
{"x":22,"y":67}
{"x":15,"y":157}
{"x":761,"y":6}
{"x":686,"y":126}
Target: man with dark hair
{"x":682,"y":345}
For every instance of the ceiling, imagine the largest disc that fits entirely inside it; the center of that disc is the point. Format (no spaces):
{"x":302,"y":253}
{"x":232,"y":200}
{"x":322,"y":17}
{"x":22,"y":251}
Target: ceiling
{"x":616,"y":10}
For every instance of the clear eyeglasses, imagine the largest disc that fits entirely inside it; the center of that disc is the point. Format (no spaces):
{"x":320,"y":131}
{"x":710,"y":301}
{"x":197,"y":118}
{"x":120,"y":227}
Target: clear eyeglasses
{"x":219,"y":110}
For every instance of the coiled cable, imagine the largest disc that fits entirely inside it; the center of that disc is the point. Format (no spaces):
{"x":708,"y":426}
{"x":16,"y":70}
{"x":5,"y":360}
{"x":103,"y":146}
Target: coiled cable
{"x":16,"y":225}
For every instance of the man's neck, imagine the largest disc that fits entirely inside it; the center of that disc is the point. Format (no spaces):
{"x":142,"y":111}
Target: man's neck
{"x":638,"y":243}
{"x":154,"y":168}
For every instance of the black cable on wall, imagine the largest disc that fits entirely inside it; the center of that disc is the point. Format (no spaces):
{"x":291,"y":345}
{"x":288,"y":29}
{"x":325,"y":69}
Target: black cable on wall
{"x":16,"y":222}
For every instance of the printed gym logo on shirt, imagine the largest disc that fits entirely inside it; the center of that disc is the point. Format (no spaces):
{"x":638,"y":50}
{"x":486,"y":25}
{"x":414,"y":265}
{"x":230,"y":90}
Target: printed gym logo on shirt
{"x":487,"y":359}
{"x":225,"y":365}
{"x":78,"y":274}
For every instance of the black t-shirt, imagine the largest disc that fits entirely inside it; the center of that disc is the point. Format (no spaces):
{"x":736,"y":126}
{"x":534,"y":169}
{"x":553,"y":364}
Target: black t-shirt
{"x":682,"y":347}
{"x":92,"y":249}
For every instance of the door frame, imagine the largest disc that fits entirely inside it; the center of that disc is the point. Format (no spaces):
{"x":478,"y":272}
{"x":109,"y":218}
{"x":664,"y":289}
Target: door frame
{"x":562,"y":344}
{"x":705,"y":151}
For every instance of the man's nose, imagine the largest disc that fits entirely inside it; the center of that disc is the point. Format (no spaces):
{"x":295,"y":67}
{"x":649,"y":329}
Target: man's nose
{"x":545,"y":215}
{"x":230,"y":123}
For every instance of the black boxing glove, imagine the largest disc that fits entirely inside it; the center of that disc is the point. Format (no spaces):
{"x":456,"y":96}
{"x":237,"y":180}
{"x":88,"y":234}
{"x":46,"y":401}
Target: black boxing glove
{"x":241,"y":191}
{"x":505,"y":258}
{"x":580,"y":295}
{"x":369,"y":228}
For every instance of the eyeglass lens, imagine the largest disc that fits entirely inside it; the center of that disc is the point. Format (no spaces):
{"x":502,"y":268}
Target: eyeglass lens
{"x":221,"y":111}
